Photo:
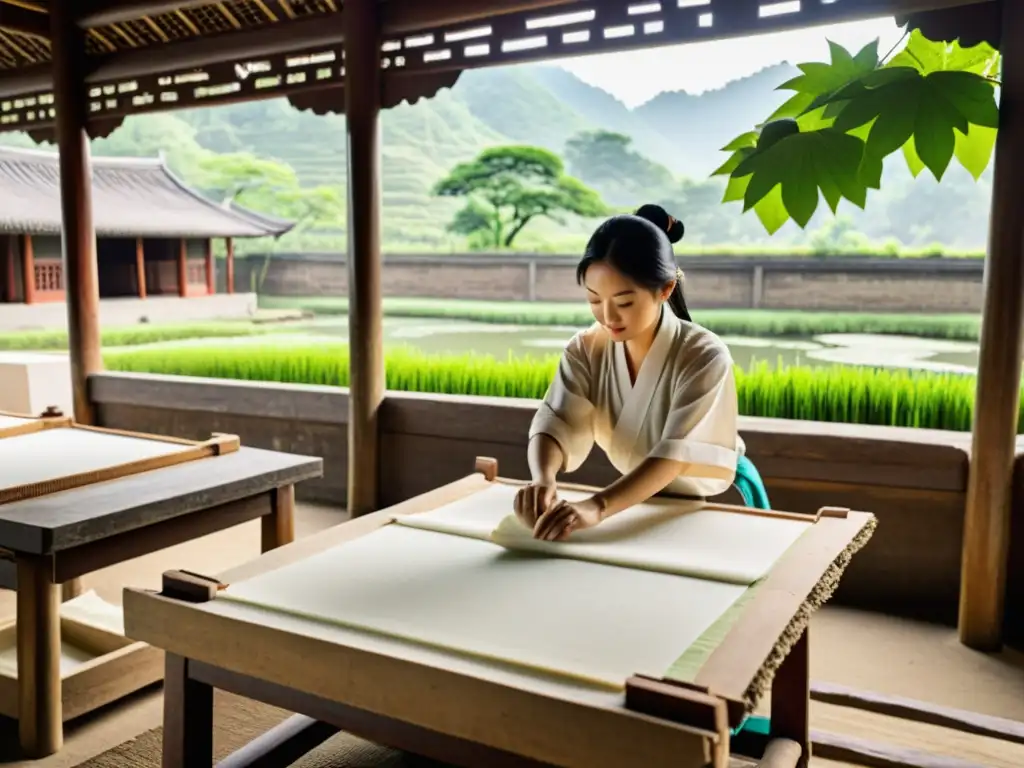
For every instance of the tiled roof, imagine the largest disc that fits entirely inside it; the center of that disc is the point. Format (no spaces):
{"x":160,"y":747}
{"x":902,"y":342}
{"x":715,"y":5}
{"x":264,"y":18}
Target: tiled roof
{"x":132,"y":197}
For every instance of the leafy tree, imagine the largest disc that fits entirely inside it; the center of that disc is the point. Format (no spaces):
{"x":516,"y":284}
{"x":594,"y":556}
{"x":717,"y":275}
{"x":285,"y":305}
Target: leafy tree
{"x":268,"y":186}
{"x":932,"y":100}
{"x":151,"y":135}
{"x":607,"y":161}
{"x":507,"y":187}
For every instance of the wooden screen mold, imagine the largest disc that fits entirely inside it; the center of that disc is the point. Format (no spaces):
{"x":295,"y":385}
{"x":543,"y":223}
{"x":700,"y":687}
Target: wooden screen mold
{"x":190,"y":587}
{"x":219,"y":444}
{"x":682,"y":703}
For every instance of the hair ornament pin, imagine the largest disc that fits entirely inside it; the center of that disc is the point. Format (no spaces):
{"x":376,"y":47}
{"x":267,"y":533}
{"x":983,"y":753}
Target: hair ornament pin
{"x":679,"y":275}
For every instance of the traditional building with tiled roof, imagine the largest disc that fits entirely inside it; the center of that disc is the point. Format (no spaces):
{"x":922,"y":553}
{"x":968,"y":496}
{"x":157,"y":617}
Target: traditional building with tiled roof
{"x":154,"y":234}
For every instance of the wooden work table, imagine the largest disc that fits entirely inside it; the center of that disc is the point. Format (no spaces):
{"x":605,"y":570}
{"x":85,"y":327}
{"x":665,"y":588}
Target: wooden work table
{"x":56,"y":538}
{"x":464,"y":711}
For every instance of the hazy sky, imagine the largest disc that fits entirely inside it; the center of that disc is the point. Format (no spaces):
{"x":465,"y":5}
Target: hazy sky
{"x":636,"y":77}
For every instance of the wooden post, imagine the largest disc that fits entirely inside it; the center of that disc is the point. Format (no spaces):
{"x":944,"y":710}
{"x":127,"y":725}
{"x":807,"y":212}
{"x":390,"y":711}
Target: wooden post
{"x":10,"y":294}
{"x":28,"y":270}
{"x":81,"y":276}
{"x":40,"y":719}
{"x":182,"y":268}
{"x":140,"y":266}
{"x":997,"y":400}
{"x":211,"y":285}
{"x":229,"y":272}
{"x":366,"y":345}
{"x":188,"y":717}
{"x":278,"y":528}
{"x":791,"y":702}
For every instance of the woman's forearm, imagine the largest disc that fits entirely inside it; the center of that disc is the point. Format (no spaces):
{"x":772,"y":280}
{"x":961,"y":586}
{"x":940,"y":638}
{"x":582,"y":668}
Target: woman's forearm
{"x":545,"y":458}
{"x":650,"y":477}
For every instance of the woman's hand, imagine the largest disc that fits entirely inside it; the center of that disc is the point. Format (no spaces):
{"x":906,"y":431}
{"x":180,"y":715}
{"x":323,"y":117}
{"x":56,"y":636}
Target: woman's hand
{"x":534,"y":500}
{"x":565,"y":517}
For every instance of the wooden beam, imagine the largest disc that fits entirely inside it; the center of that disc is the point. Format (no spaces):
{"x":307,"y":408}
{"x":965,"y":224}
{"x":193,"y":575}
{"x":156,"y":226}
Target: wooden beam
{"x":997,"y":400}
{"x":182,"y":268}
{"x":140,"y":266}
{"x":211,"y":284}
{"x":366,"y":310}
{"x":229,"y":271}
{"x":859,"y":751}
{"x":268,"y":40}
{"x":397,"y":15}
{"x":22,"y":21}
{"x":81,"y":279}
{"x":919,"y":711}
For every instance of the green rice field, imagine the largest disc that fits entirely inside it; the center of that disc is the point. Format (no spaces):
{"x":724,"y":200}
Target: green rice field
{"x":858,"y":395}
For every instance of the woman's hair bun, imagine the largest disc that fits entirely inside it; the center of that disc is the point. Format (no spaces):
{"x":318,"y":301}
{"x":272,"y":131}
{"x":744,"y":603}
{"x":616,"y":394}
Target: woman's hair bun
{"x":668,"y":224}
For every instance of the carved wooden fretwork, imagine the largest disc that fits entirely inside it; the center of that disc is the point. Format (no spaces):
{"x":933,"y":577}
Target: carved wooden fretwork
{"x":396,"y":91}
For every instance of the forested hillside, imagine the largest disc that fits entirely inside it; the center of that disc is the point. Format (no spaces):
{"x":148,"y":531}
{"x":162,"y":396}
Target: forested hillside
{"x":665,"y":152}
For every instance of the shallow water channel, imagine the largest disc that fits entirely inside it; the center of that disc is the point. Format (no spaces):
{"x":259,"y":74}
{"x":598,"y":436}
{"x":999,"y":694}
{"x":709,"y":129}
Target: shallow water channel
{"x":462,"y":337}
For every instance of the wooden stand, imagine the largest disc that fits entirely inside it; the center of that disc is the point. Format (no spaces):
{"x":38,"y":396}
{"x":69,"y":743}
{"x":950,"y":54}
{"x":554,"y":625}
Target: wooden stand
{"x":193,"y":490}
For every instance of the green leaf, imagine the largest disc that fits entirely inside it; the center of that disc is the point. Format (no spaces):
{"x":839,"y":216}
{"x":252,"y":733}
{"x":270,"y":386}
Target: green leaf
{"x":929,"y":56}
{"x":730,"y":165}
{"x":829,"y":189}
{"x":736,"y":188}
{"x":795,"y":168}
{"x":972,"y":96}
{"x":888,"y":76}
{"x":793,"y":107}
{"x":743,"y":141}
{"x":914,"y":162}
{"x":869,"y":171}
{"x":814,"y":121}
{"x":841,"y":155}
{"x":974,"y":150}
{"x":818,"y":78}
{"x":841,"y":58}
{"x":867,"y":57}
{"x":894,"y":127}
{"x":800,"y":190}
{"x":769,"y":169}
{"x":933,"y":137}
{"x":772,"y":212}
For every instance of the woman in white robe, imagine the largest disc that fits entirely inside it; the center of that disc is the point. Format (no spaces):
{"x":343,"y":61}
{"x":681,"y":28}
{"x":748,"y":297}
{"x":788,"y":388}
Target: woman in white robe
{"x":654,"y":390}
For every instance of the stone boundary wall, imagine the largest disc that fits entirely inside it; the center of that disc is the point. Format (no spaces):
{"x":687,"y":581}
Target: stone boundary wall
{"x":833,"y":284}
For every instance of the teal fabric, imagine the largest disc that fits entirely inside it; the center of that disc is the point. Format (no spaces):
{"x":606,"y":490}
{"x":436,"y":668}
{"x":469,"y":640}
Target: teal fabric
{"x":750,"y":485}
{"x":754,"y":724}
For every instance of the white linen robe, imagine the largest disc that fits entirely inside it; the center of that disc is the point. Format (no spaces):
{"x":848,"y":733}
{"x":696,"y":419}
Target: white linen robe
{"x":682,"y":407}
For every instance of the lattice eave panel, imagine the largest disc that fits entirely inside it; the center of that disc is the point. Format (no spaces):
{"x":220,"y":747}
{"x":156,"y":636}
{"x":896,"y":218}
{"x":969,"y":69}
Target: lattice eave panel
{"x":413,"y":64}
{"x":606,"y":26}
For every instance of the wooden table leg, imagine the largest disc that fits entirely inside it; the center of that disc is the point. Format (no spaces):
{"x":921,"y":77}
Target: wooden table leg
{"x":71,"y":589}
{"x":40,"y":711}
{"x":791,"y":699}
{"x":278,"y":528}
{"x":188,"y":717}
